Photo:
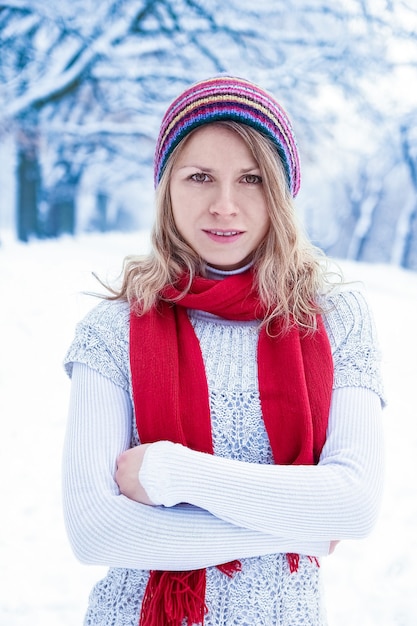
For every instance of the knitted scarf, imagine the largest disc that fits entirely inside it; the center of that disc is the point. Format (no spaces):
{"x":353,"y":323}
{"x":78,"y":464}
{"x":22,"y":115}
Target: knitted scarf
{"x":295,"y":374}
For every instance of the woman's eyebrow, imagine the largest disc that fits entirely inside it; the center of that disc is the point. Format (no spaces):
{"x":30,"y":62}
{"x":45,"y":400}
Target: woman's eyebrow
{"x":243,"y":170}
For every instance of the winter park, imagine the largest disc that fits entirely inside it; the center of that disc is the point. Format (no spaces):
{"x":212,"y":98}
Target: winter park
{"x":83,"y":86}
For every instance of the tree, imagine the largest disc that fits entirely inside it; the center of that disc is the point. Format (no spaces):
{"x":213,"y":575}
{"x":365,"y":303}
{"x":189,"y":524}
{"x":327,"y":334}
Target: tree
{"x":93,"y":79}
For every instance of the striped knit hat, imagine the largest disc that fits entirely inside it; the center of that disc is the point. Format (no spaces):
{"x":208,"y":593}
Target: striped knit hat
{"x":228,"y":98}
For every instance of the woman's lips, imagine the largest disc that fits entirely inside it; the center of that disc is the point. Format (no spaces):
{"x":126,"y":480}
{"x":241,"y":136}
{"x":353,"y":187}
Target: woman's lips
{"x":223,"y":236}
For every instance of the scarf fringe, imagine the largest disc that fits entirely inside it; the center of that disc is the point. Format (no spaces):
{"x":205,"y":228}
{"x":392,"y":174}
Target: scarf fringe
{"x":315,"y":560}
{"x":294,"y":561}
{"x":170,"y":597}
{"x":230,"y":568}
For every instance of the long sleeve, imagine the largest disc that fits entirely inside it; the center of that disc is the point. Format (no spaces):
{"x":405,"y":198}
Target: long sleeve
{"x":337,"y":499}
{"x":106,"y":528}
{"x":235,"y":504}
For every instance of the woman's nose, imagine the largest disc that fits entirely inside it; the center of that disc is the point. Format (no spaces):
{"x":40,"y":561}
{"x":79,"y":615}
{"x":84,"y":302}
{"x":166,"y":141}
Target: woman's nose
{"x":224,"y":201}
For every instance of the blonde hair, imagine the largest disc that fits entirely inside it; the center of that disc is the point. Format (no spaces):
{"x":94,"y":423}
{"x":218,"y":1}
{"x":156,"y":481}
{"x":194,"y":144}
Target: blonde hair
{"x":290,"y":272}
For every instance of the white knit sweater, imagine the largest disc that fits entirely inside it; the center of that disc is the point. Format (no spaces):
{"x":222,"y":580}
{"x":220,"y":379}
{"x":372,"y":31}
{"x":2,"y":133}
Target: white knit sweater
{"x":236,"y":504}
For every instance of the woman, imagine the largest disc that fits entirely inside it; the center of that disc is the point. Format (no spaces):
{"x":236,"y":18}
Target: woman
{"x":224,"y":428}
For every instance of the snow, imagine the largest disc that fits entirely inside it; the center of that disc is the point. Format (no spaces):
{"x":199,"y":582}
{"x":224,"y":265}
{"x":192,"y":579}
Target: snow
{"x":369,"y":582}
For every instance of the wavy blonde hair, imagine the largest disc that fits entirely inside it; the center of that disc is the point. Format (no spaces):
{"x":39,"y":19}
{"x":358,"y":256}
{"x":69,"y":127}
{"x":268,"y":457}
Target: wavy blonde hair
{"x":290,"y":272}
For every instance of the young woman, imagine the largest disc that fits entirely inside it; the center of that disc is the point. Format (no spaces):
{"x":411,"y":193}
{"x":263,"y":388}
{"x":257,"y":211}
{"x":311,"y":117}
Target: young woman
{"x":224,"y":427}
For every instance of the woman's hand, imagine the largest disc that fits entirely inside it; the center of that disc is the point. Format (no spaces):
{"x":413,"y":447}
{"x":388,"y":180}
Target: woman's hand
{"x":127,"y":474}
{"x":333,"y":545}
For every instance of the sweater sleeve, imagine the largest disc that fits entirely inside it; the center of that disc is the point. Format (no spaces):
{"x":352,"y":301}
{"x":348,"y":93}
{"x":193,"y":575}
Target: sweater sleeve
{"x":352,"y":333}
{"x":106,"y":528}
{"x":102,"y":342}
{"x":337,"y":499}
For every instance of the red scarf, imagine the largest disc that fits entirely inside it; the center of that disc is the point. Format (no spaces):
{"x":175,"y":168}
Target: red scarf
{"x":295,"y":376}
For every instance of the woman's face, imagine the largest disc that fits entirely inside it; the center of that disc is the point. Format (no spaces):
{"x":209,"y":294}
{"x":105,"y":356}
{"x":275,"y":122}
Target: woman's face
{"x":217,"y":197}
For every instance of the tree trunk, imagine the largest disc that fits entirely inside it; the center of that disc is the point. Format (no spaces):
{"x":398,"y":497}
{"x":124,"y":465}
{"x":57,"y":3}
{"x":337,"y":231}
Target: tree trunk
{"x":61,"y":214}
{"x":409,"y":257}
{"x":28,"y":185}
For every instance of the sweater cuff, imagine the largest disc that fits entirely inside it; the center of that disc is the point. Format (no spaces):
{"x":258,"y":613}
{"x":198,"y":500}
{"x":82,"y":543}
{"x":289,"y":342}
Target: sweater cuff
{"x":155,"y":476}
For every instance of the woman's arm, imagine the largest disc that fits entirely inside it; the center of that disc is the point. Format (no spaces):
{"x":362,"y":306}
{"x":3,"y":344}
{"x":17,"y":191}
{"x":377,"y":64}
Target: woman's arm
{"x":336,"y":499}
{"x":106,"y":528}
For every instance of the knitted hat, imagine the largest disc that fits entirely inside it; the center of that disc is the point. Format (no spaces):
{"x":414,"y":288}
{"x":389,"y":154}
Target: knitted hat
{"x":228,"y":98}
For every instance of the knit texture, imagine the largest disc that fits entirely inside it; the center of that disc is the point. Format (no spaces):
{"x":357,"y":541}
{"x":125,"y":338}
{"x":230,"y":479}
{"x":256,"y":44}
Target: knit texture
{"x":264,"y":593}
{"x":228,"y":98}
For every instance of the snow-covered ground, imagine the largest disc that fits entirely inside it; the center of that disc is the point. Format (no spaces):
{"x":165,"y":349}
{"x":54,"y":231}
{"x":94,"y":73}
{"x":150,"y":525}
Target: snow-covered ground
{"x":369,"y":583}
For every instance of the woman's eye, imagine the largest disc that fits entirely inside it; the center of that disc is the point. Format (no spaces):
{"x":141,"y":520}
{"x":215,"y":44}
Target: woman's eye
{"x":199,"y":177}
{"x":252,"y":179}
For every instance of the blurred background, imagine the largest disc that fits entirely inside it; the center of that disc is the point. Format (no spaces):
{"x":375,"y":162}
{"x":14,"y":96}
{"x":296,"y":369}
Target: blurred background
{"x":83,"y":86}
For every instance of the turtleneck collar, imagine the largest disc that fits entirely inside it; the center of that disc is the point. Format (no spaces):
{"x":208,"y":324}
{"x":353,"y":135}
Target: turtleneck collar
{"x":216,"y":274}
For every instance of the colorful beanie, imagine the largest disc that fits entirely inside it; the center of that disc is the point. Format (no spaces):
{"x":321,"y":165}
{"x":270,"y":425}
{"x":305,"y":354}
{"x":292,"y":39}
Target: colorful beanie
{"x":228,"y":98}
